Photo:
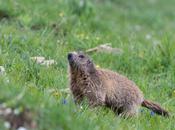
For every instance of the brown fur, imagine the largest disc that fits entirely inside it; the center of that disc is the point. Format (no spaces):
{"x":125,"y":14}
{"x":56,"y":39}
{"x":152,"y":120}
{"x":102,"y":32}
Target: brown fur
{"x":155,"y":108}
{"x":105,"y":88}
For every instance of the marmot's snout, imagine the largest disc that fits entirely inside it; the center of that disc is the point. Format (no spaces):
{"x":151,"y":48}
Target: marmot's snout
{"x":70,"y":56}
{"x":74,"y":56}
{"x":80,"y":61}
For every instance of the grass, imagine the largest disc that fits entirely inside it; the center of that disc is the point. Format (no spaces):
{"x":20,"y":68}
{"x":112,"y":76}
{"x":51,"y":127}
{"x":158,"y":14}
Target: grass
{"x":143,"y":29}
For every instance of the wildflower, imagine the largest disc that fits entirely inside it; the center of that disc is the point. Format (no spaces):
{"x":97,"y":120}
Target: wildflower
{"x":22,"y":128}
{"x":56,"y":94}
{"x":2,"y":70}
{"x":152,"y":113}
{"x":7,"y":125}
{"x":97,"y":38}
{"x":58,"y":41}
{"x":156,"y":42}
{"x":64,"y":101}
{"x":137,"y":27}
{"x":87,"y":37}
{"x":7,"y":111}
{"x":148,"y":36}
{"x":17,"y":111}
{"x":82,"y":36}
{"x":61,"y":14}
{"x":97,"y":66}
{"x":173,"y":93}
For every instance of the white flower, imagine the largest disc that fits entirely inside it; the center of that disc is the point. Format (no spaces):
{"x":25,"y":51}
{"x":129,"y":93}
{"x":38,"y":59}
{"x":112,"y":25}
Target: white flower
{"x":137,"y":27}
{"x":16,"y":111}
{"x":22,"y":128}
{"x":8,"y":111}
{"x":148,"y":36}
{"x":156,"y":42}
{"x":7,"y":125}
{"x":2,"y":70}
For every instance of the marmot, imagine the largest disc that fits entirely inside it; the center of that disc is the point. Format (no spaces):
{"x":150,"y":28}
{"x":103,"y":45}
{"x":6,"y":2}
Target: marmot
{"x":103,"y":87}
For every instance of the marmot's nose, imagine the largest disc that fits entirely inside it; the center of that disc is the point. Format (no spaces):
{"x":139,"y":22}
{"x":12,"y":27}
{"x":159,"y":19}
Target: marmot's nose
{"x":69,"y":56}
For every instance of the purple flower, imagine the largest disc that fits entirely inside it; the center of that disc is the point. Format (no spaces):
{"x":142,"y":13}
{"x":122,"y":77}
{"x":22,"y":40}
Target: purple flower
{"x":64,"y":101}
{"x":152,"y":113}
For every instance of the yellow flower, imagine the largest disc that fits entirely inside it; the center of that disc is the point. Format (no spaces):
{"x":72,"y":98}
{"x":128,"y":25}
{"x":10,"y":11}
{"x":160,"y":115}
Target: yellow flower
{"x":86,"y":37}
{"x":61,"y":14}
{"x":97,"y":38}
{"x":56,"y":94}
{"x":97,"y":66}
{"x":81,"y":35}
{"x":173,"y":93}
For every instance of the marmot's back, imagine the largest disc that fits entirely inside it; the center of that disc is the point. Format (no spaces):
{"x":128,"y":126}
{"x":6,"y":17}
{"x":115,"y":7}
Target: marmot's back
{"x":120,"y":91}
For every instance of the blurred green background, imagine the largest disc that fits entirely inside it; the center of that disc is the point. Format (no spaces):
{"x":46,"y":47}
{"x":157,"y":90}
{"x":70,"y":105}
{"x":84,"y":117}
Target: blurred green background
{"x":144,"y":30}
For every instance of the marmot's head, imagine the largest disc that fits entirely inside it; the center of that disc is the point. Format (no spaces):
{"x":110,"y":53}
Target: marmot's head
{"x":80,"y":62}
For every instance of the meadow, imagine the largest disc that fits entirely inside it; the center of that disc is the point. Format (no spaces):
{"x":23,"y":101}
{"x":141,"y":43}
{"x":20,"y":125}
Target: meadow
{"x":144,"y":30}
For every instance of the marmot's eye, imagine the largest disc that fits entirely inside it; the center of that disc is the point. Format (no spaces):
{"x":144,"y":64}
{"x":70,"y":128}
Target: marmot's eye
{"x":81,"y":56}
